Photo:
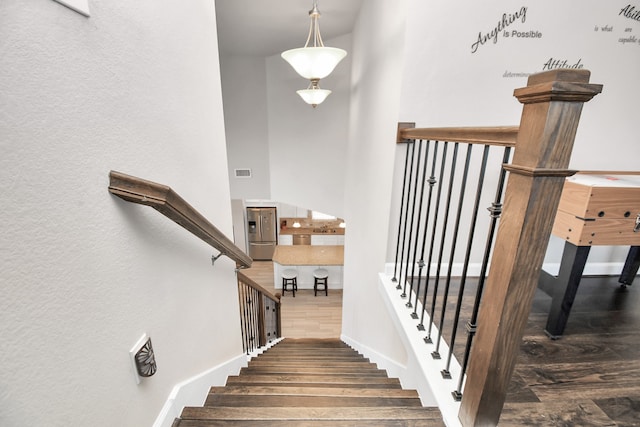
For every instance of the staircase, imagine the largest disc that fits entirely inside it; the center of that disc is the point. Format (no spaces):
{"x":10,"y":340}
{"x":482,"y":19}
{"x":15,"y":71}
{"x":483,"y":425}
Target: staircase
{"x":310,"y":382}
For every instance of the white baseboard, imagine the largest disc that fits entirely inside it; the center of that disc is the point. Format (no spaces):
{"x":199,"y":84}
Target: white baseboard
{"x":193,"y":391}
{"x":393,"y":368}
{"x":423,"y":372}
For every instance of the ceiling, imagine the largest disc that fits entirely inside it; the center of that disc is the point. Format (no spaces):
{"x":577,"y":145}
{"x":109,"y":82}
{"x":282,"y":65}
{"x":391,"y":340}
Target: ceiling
{"x":265,"y":28}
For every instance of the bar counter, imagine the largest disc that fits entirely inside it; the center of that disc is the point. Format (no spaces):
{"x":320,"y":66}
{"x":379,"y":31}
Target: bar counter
{"x":309,"y":255}
{"x":305,"y":259}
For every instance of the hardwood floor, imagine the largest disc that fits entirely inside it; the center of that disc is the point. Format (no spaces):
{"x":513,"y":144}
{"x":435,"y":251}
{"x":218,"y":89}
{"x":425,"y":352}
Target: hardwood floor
{"x":589,"y":377}
{"x":306,"y":315}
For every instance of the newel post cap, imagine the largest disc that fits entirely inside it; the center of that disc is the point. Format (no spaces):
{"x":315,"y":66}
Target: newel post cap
{"x":563,"y":84}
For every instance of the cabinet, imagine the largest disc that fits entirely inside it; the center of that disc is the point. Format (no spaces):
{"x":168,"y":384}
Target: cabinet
{"x":285,"y":239}
{"x":327,"y":239}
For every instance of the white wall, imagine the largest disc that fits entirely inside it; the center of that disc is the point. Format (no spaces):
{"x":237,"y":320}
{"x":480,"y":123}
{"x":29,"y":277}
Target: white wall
{"x":378,"y":46}
{"x":445,"y":83}
{"x":244,"y":93}
{"x":134,"y":88}
{"x":307,"y":145}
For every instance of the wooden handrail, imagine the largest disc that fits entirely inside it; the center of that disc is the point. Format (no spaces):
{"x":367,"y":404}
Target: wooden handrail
{"x":166,"y":201}
{"x":255,"y":285}
{"x":500,"y":135}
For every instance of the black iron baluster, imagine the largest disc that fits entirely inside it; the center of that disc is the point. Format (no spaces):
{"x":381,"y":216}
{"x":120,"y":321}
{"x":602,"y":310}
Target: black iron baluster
{"x":412,"y":224}
{"x":247,"y":325}
{"x":404,"y":182}
{"x":436,"y":354}
{"x":433,"y":239}
{"x":454,"y":161}
{"x":494,"y":211}
{"x":463,"y":279}
{"x":432,"y":181}
{"x":404,"y":232}
{"x":250,"y":320}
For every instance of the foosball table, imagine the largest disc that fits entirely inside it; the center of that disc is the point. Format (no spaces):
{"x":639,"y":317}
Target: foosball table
{"x":595,"y":209}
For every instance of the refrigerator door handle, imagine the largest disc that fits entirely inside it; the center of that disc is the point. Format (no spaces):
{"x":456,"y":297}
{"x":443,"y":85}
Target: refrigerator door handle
{"x":262,"y":244}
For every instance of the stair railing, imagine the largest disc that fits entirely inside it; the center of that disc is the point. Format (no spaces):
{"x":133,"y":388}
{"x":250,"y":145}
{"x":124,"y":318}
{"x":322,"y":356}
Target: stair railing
{"x":438,"y":221}
{"x":166,"y":201}
{"x":260,"y":318}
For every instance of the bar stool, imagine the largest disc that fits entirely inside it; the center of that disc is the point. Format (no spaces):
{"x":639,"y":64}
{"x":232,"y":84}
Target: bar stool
{"x":290,"y":277}
{"x":320,"y":279}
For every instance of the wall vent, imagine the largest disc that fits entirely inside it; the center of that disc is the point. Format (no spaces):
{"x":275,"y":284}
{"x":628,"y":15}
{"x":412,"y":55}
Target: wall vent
{"x":242,"y":173}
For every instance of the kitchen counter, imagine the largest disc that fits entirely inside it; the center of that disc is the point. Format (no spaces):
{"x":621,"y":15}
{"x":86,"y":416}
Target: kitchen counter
{"x":314,"y":230}
{"x":305,"y":259}
{"x":309,"y":255}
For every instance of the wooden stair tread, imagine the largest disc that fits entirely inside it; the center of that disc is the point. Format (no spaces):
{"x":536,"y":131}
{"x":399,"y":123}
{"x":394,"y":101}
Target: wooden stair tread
{"x":301,"y":378}
{"x":312,"y":391}
{"x":351,"y":364}
{"x":311,"y":356}
{"x":265,"y":401}
{"x":313,"y":342}
{"x":393,"y":385}
{"x":310,"y":423}
{"x":312,"y":370}
{"x":298,"y":413}
{"x":310,"y":382}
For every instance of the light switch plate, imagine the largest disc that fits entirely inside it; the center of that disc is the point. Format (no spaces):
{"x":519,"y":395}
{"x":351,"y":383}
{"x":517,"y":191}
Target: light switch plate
{"x":80,"y":6}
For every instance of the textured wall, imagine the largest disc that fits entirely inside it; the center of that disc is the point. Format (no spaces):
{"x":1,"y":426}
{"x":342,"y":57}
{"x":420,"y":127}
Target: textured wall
{"x":134,"y":88}
{"x":307,"y":145}
{"x":377,"y":67}
{"x":450,"y":79}
{"x":245,"y":113}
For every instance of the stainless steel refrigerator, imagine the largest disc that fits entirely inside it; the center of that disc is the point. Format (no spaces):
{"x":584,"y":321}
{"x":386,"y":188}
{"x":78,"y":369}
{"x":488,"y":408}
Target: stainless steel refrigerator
{"x":262,"y":232}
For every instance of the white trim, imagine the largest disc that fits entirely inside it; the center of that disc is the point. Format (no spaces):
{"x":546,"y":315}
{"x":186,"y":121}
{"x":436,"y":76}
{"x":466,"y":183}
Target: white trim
{"x":193,"y":391}
{"x":590,"y":269}
{"x":393,"y":368}
{"x":79,"y":6}
{"x":422,"y":370}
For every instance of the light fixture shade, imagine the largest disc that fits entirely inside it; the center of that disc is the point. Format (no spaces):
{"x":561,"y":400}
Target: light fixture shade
{"x":314,"y":62}
{"x":314,"y":96}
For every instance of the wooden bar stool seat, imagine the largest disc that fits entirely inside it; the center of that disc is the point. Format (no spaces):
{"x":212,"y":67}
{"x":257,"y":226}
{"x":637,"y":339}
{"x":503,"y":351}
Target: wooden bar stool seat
{"x":320,"y":279}
{"x":289,"y":277}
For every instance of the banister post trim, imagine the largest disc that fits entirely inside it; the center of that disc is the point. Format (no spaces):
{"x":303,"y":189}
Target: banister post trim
{"x":550,"y":115}
{"x":538,"y":172}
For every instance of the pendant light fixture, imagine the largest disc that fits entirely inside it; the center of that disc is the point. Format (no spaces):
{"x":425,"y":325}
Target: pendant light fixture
{"x":314,"y":61}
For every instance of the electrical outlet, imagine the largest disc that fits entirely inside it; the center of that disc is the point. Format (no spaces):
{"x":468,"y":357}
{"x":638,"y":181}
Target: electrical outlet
{"x":80,"y":6}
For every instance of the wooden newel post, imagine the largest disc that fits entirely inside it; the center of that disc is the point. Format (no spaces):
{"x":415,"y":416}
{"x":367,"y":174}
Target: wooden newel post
{"x":552,"y":105}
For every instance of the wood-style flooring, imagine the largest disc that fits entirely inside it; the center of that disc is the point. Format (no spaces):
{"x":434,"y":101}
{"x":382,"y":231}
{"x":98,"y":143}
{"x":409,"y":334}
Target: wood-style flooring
{"x":306,"y":315}
{"x":589,"y":377}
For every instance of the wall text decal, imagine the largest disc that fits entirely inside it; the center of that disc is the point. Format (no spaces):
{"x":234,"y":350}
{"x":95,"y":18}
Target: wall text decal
{"x":630,"y":12}
{"x":507,"y":19}
{"x":552,"y":64}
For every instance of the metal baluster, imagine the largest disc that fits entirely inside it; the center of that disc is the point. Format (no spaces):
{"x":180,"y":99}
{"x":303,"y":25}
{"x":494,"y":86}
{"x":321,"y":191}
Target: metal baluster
{"x":245,"y":318}
{"x":412,"y":223}
{"x":254,"y":321}
{"x":404,"y":232}
{"x":454,"y":161}
{"x":404,"y":182}
{"x":432,"y":181}
{"x":433,"y":238}
{"x":463,"y":279}
{"x":463,"y":184}
{"x":495,"y":211}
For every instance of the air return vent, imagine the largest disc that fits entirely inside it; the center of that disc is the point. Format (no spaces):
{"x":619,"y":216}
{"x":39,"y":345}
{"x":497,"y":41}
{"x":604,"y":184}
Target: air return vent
{"x":243,"y":173}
